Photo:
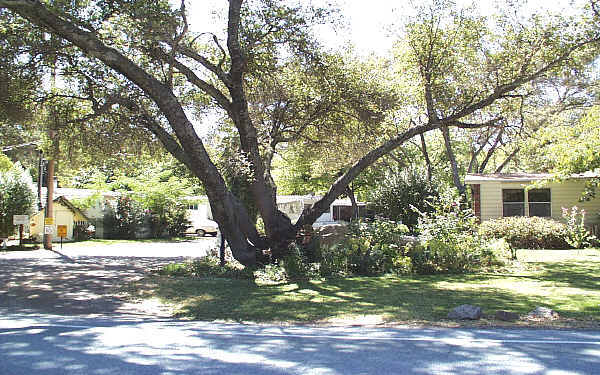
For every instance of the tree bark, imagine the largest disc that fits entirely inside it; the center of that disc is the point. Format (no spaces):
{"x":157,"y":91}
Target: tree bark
{"x":426,"y":156}
{"x":454,"y":165}
{"x":350,"y":194}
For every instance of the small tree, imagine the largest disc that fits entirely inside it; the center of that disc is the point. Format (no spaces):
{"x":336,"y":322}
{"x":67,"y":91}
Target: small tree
{"x":399,"y":194}
{"x":17,"y":197}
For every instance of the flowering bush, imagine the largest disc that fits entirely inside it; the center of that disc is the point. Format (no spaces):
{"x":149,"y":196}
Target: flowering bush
{"x":576,"y":234}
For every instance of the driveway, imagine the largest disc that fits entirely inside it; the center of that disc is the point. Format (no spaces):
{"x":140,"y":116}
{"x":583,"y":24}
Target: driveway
{"x":87,"y":280}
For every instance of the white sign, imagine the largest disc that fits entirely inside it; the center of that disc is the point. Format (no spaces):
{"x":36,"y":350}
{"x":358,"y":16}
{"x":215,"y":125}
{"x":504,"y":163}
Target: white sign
{"x":20,"y":219}
{"x":48,"y":229}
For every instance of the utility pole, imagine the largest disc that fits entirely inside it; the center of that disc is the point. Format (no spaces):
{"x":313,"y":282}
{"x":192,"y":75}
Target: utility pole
{"x":39,"y":179}
{"x":49,"y":211}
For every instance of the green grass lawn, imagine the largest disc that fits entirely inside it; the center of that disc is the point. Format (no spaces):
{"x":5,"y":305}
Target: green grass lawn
{"x":567,"y":281}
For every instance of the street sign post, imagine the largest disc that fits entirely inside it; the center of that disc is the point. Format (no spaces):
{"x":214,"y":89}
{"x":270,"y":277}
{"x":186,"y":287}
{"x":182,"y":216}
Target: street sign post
{"x":61,"y":231}
{"x":20,"y":220}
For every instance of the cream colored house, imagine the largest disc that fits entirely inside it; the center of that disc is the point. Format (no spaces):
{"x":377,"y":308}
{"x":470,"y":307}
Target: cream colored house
{"x":525,"y":194}
{"x":99,"y":203}
{"x":64,"y":213}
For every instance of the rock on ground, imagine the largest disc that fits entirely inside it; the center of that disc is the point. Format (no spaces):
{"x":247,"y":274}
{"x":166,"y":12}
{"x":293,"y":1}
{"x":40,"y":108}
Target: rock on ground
{"x":543,"y":313}
{"x":465,"y":312}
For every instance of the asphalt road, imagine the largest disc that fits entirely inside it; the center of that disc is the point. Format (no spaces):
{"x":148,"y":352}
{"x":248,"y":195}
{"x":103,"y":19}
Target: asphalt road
{"x":58,"y":345}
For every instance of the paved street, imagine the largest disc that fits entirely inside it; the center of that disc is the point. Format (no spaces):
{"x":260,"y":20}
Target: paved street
{"x":58,"y":345}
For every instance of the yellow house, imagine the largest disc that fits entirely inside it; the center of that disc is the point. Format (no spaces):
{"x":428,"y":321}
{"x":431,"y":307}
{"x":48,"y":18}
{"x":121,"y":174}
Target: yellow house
{"x":521,"y":194}
{"x":64,"y":213}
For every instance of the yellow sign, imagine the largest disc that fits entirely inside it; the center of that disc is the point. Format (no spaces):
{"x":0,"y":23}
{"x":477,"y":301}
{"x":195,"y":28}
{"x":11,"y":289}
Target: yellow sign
{"x":48,"y":221}
{"x":61,"y":230}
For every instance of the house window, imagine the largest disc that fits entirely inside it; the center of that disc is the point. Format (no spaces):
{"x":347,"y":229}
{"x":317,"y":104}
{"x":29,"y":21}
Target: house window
{"x":539,"y":202}
{"x":513,"y":202}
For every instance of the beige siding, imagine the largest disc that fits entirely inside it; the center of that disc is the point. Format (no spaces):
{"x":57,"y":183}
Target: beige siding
{"x":565,"y":194}
{"x":491,"y":200}
{"x":62,"y":216}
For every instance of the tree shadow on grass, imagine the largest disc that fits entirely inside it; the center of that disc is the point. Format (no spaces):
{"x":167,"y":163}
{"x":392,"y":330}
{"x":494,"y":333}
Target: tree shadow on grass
{"x":574,"y":274}
{"x":395,"y":299}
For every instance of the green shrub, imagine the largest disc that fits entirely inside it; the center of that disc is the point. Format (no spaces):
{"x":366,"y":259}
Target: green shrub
{"x":17,"y":197}
{"x":271,"y":273}
{"x":449,"y":240}
{"x":295,"y":264}
{"x":395,"y":196}
{"x":371,"y":248}
{"x":208,"y":267}
{"x":527,"y":232}
{"x":125,"y":220}
{"x":500,"y":251}
{"x":334,"y":262}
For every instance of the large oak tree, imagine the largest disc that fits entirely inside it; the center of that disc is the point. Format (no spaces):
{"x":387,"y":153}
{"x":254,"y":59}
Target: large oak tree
{"x":140,"y":58}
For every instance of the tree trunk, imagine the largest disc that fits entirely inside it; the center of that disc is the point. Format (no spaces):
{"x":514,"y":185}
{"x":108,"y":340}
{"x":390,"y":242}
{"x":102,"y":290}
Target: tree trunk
{"x":426,"y":156}
{"x":350,"y":194}
{"x":454,"y":165}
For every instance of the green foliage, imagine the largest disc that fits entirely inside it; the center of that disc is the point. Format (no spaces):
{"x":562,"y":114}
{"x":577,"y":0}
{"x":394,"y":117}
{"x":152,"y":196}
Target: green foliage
{"x":155,"y":196}
{"x":168,"y":217}
{"x":398,"y":195}
{"x":271,"y":273}
{"x":17,"y":197}
{"x":207,"y":267}
{"x":371,"y":248}
{"x":449,"y":240}
{"x":577,"y":235}
{"x":523,"y":232}
{"x":125,"y":220}
{"x":5,"y":163}
{"x":334,"y":261}
{"x":295,"y":263}
{"x":87,"y":202}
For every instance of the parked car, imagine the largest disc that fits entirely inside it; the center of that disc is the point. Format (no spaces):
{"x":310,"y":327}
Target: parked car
{"x":203,"y":227}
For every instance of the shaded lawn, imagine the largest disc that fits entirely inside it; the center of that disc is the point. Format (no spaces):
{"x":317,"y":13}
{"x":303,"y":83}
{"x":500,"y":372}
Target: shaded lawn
{"x":564,"y":280}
